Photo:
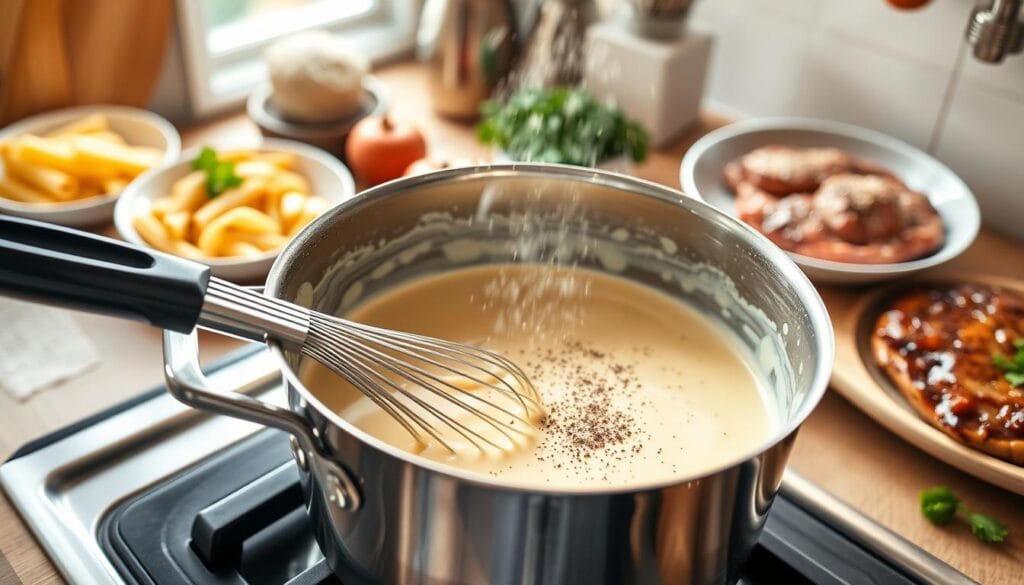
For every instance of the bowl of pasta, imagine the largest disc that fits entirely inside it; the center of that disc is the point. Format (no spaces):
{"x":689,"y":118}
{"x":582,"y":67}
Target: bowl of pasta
{"x":69,"y":166}
{"x":232,"y":208}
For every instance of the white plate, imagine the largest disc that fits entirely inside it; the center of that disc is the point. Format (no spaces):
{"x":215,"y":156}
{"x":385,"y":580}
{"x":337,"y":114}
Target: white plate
{"x":869,"y":389}
{"x":138,"y":127}
{"x":328,"y":178}
{"x":701,"y":173}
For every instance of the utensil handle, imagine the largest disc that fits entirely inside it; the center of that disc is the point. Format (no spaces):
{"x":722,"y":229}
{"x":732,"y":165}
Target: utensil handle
{"x":61,"y":266}
{"x":187,"y":383}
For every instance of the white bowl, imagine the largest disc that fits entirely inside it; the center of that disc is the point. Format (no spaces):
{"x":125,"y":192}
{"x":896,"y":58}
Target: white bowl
{"x":328,"y":178}
{"x":701,"y":173}
{"x":138,"y":127}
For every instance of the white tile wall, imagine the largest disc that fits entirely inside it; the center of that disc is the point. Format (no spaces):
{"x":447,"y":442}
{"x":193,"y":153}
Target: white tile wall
{"x":754,"y":69}
{"x":854,"y":84}
{"x":930,"y":35}
{"x":983,"y":142}
{"x":908,"y":74}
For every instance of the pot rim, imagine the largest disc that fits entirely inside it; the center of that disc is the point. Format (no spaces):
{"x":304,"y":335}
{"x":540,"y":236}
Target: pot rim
{"x":817,"y":313}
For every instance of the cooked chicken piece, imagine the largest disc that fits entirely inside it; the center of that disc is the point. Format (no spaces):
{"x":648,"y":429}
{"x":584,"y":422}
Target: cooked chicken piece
{"x":937,"y":347}
{"x":784,"y":170}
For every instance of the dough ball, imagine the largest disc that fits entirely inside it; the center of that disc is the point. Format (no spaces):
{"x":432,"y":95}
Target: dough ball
{"x":316,"y":76}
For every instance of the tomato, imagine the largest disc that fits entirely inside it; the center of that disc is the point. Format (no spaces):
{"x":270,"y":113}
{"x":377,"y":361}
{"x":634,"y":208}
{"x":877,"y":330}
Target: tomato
{"x":907,"y":4}
{"x":380,"y":149}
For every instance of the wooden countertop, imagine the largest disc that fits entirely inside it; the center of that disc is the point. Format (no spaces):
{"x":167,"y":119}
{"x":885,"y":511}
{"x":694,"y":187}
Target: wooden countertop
{"x":839,"y":448}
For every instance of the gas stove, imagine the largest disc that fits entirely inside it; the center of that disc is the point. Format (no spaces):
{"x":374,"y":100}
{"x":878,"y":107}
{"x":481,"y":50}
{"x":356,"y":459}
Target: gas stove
{"x":152,"y":492}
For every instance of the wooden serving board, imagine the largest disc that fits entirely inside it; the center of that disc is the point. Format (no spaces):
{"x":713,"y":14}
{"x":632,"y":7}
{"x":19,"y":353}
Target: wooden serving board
{"x":861,"y":382}
{"x":855,"y":376}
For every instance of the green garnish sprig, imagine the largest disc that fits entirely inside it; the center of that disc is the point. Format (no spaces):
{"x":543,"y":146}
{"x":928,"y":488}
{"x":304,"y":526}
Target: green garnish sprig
{"x":560,"y":125}
{"x":940,"y":506}
{"x":1012,"y":367}
{"x":220,"y":174}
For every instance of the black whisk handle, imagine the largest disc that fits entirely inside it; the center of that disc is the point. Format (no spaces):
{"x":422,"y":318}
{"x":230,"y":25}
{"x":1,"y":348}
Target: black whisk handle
{"x":61,"y":266}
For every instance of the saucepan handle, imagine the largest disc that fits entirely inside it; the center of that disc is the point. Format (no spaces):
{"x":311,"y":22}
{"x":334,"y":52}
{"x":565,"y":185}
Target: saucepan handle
{"x":70,"y":268}
{"x":187,"y":383}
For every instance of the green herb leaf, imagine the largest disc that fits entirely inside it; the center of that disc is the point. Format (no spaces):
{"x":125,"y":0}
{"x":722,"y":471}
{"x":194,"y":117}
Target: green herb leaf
{"x":220,"y":175}
{"x":206,"y":160}
{"x":560,"y":125}
{"x":939,"y":504}
{"x":1012,"y":367}
{"x":987,"y":529}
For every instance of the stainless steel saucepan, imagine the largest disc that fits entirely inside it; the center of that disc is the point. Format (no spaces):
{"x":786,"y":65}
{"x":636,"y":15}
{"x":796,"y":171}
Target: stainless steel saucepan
{"x":382,"y":515}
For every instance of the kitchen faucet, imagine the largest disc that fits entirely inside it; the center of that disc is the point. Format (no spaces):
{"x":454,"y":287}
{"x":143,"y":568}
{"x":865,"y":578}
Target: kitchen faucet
{"x":995,"y":30}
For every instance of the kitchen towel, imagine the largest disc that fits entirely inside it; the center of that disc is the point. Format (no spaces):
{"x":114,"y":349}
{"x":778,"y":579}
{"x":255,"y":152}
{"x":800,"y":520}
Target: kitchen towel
{"x":39,"y":347}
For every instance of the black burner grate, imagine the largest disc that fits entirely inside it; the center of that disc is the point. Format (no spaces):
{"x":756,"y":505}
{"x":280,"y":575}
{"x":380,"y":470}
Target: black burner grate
{"x":238,"y":518}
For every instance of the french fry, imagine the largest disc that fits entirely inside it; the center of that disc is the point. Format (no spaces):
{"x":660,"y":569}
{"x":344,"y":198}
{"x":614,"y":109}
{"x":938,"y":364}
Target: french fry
{"x":130,"y":160}
{"x":17,"y":191}
{"x":248,"y":193}
{"x":154,"y":232}
{"x":88,"y":124}
{"x":58,"y":184}
{"x":243,"y":219}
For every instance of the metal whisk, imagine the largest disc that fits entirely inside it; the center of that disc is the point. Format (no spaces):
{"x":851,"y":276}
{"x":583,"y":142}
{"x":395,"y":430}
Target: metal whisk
{"x":411,"y":377}
{"x":437,"y":390}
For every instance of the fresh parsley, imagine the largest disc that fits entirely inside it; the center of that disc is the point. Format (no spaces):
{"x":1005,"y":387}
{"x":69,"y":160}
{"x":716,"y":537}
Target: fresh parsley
{"x":939,"y":505}
{"x":1012,"y":367}
{"x":560,"y":125}
{"x":220,"y":174}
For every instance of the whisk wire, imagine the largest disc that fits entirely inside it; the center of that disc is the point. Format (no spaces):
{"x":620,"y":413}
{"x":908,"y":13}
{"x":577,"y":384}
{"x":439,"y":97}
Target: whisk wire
{"x":404,"y":374}
{"x":426,"y":380}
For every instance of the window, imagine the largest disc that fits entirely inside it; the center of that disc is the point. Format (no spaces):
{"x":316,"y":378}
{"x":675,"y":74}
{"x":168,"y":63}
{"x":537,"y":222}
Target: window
{"x":223,"y":40}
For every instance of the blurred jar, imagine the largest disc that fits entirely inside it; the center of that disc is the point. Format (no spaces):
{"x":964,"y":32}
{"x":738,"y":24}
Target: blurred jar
{"x":469,"y":46}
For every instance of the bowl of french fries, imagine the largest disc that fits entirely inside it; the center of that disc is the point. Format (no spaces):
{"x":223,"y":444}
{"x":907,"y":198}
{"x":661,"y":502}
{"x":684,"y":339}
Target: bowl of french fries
{"x":232,"y":209}
{"x":69,"y":166}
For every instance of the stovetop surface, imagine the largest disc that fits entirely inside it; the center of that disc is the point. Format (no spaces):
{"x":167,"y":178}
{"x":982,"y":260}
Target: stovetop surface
{"x":152,"y":492}
{"x":238,"y":518}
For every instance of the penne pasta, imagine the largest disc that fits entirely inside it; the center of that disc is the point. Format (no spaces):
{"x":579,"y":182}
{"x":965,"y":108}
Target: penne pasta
{"x":248,"y":193}
{"x":107,"y":136}
{"x":240,"y":248}
{"x":177,"y":223}
{"x":244,"y":219}
{"x":78,"y":160}
{"x":41,"y":151}
{"x":122,"y":159}
{"x":114,"y":185}
{"x":154,"y":232}
{"x":237,"y":204}
{"x":58,"y":184}
{"x":12,"y":189}
{"x":263,"y":241}
{"x":86,"y":125}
